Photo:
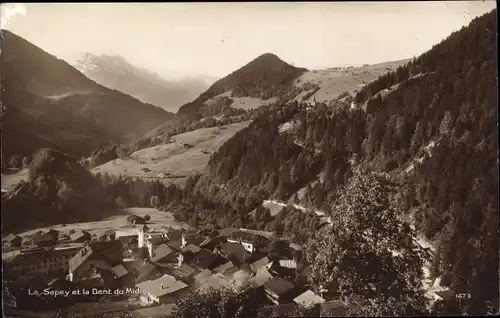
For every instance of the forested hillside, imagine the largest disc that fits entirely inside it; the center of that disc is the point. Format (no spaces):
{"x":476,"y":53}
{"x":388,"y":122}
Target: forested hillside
{"x":418,"y":155}
{"x":444,"y":103}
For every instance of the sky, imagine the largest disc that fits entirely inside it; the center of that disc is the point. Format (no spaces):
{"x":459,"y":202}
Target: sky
{"x":179,"y":40}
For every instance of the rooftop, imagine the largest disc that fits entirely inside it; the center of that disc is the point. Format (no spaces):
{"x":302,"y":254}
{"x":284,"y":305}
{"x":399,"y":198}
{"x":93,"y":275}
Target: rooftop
{"x":215,"y":281}
{"x":162,"y":286}
{"x":161,"y":252}
{"x":203,"y":276}
{"x":255,"y":266}
{"x":236,"y":250}
{"x":288,"y":263}
{"x":184,"y":271}
{"x":119,"y":271}
{"x":279,"y":285}
{"x":260,"y":278}
{"x":224,"y":268}
{"x":308,"y":299}
{"x":227,"y":231}
{"x":79,"y":258}
{"x":205,"y":259}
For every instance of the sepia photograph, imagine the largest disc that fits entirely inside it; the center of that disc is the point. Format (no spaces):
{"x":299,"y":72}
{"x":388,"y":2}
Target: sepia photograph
{"x":249,"y":159}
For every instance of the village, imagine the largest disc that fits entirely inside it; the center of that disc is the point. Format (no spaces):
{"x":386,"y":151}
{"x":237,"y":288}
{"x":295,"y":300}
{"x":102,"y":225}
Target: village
{"x":123,"y":271}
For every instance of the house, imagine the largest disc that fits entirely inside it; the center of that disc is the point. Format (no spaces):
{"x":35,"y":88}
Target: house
{"x":11,"y":240}
{"x":102,"y":255}
{"x":184,"y":272}
{"x":164,"y":254}
{"x":250,"y":242}
{"x":205,"y":259}
{"x":260,"y":278}
{"x":308,"y":299}
{"x":150,"y":239}
{"x":143,"y":270}
{"x":43,"y":238}
{"x":235,"y":252}
{"x":211,"y":242}
{"x":128,"y":238}
{"x":227,"y":267}
{"x":165,"y":289}
{"x":257,"y":265}
{"x":191,"y":238}
{"x":123,"y":276}
{"x":279,"y":290}
{"x":40,"y":261}
{"x":188,"y":252}
{"x":84,"y":261}
{"x":80,"y":236}
{"x":284,"y":268}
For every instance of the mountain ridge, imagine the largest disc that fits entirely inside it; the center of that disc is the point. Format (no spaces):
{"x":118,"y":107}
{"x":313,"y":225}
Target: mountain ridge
{"x":115,"y":72}
{"x":264,"y":77}
{"x":37,"y":85}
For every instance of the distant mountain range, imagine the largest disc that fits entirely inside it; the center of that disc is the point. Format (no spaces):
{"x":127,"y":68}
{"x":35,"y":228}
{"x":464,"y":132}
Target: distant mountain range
{"x":49,"y":103}
{"x":115,"y":72}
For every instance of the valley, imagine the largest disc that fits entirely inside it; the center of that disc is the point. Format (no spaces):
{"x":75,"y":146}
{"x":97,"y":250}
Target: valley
{"x":367,"y":190}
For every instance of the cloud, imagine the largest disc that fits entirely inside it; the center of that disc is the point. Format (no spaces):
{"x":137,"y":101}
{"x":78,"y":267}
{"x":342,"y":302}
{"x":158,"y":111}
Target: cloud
{"x":8,"y":11}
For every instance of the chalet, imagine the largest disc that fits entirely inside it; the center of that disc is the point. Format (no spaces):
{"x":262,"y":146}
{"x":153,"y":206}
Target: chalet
{"x":211,"y":242}
{"x":234,"y":252}
{"x":225,"y":268}
{"x":261,"y":277}
{"x":165,"y":289}
{"x":250,"y":242}
{"x":164,"y":254}
{"x":257,"y":265}
{"x":188,"y":252}
{"x":205,"y":259}
{"x":184,"y":272}
{"x":11,"y":240}
{"x":144,"y":270}
{"x":279,"y":290}
{"x":80,"y":236}
{"x":127,"y":237}
{"x":102,"y":255}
